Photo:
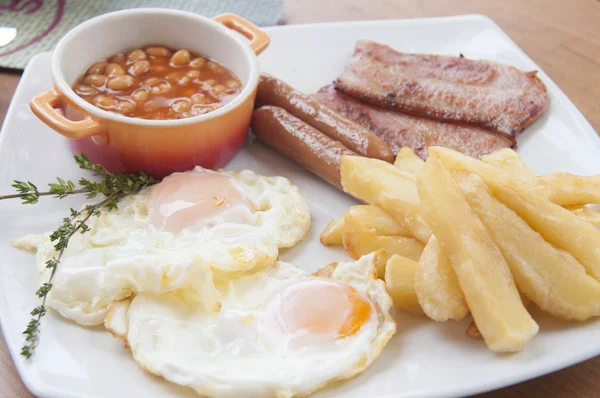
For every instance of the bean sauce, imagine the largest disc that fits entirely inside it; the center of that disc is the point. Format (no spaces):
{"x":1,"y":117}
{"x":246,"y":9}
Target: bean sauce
{"x":158,"y":83}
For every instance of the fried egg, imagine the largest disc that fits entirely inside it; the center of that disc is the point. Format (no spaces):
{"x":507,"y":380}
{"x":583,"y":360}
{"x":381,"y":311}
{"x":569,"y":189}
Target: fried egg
{"x":173,"y":235}
{"x":280,"y":332}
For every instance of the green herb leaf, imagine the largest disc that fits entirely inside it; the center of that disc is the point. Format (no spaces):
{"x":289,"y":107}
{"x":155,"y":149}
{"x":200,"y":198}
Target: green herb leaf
{"x":41,"y":310}
{"x":112,"y":186}
{"x":43,"y":290}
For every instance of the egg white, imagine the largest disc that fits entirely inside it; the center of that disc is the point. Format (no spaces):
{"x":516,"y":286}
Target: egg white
{"x":123,"y":253}
{"x":232,"y":354}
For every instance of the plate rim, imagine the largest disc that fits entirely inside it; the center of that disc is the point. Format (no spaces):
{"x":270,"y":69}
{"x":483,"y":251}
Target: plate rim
{"x":474,"y":388}
{"x":15,"y":355}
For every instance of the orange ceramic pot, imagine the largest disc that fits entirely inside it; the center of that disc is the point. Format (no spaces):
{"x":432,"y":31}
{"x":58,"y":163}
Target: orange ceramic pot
{"x":159,"y":147}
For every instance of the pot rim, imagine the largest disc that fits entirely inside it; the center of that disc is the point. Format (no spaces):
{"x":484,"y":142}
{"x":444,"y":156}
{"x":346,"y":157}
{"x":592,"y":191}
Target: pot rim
{"x":65,"y":89}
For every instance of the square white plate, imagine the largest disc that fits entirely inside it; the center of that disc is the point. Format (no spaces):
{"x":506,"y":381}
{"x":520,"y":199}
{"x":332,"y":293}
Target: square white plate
{"x":423,"y":359}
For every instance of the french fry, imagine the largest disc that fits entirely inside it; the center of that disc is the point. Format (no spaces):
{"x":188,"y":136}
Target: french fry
{"x":326,"y":271}
{"x":400,"y":283}
{"x":360,"y":240}
{"x":417,"y":225}
{"x":554,"y":281}
{"x":380,"y":183}
{"x":368,"y":215}
{"x":379,"y":261}
{"x":380,"y":220}
{"x":473,"y":331}
{"x":369,"y":179}
{"x":408,"y":161}
{"x":585,"y":213}
{"x":571,"y":190}
{"x":437,"y":286}
{"x":332,"y":234}
{"x":482,"y":272}
{"x":556,"y":224}
{"x":508,"y":160}
{"x":561,"y":188}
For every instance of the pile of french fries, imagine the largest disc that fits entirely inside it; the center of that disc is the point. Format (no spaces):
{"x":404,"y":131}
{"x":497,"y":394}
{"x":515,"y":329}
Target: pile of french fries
{"x":482,"y":237}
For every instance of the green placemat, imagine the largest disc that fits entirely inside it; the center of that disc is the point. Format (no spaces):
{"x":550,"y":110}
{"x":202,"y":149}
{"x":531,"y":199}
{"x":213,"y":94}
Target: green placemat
{"x":41,"y":23}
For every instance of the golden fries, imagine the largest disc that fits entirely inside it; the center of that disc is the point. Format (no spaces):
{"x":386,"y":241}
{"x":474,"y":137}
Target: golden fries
{"x":437,"y":286}
{"x":369,"y":216}
{"x":360,"y":240}
{"x":417,"y":225}
{"x":332,"y":234}
{"x":408,"y":161}
{"x":326,"y":271}
{"x":380,"y":183}
{"x":380,"y":220}
{"x":480,"y":267}
{"x":585,"y":213}
{"x":557,"y":225}
{"x":374,"y":180}
{"x":509,"y":160}
{"x":380,"y":258}
{"x":400,"y":283}
{"x":572,"y":190}
{"x":473,"y":331}
{"x":496,"y":235}
{"x":554,"y":281}
{"x":561,"y":188}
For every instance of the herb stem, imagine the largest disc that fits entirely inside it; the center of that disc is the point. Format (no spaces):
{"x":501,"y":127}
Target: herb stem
{"x":112,"y":186}
{"x":79,"y":223}
{"x":21,"y":195}
{"x":33,"y":332}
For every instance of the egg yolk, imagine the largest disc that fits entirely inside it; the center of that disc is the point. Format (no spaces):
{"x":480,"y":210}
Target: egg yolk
{"x":182,"y":199}
{"x":321,"y":306}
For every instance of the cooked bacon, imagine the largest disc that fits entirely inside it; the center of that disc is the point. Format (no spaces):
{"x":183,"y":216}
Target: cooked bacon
{"x":399,"y":130}
{"x":488,"y":94}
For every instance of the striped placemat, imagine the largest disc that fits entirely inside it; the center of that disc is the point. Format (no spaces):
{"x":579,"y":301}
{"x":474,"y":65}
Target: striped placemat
{"x":41,"y":23}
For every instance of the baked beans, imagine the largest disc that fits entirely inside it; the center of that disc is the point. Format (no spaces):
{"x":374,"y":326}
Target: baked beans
{"x":158,"y":83}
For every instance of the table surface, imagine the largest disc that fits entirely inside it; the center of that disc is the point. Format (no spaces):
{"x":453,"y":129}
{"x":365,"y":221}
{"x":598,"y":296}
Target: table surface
{"x":562,"y":37}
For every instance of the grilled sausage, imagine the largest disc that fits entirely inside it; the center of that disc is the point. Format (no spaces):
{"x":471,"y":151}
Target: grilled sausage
{"x":300,"y":142}
{"x":272,"y":91}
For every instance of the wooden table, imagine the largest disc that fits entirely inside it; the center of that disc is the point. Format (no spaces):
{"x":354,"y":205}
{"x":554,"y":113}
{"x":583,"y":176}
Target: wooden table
{"x":561,"y":36}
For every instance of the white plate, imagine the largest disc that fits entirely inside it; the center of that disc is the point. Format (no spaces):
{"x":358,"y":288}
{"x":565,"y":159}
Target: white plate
{"x":423,"y":359}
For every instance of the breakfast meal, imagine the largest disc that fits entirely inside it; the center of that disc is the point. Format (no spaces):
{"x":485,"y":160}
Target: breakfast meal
{"x":450,"y":224}
{"x":158,"y":83}
{"x":487,"y":94}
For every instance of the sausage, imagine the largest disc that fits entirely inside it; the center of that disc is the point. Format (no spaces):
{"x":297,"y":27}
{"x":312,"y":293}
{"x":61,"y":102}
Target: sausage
{"x":300,"y":142}
{"x":272,"y":91}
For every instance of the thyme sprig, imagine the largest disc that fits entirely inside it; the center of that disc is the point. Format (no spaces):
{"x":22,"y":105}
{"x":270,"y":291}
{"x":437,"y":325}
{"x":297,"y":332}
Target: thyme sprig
{"x":112,"y":186}
{"x":30,"y":195}
{"x":61,"y":236}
